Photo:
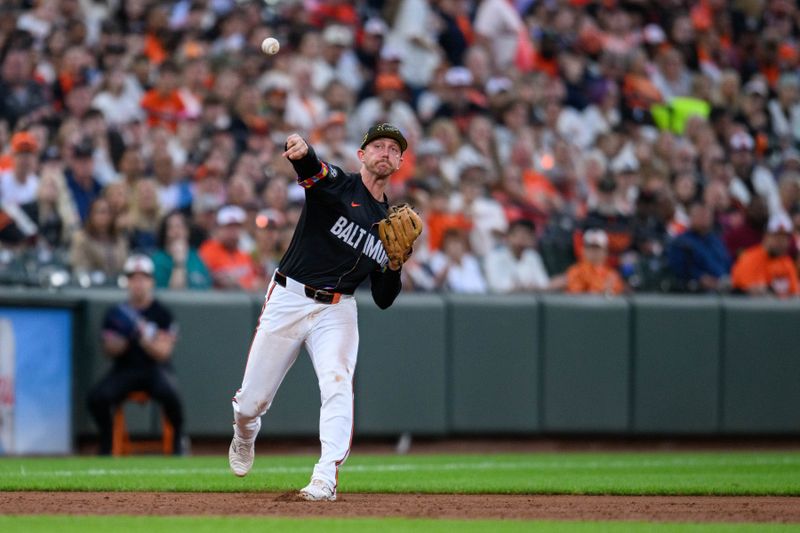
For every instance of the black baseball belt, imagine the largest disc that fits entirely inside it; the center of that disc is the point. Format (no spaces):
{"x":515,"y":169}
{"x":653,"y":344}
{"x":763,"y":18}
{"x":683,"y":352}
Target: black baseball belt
{"x":318,"y":295}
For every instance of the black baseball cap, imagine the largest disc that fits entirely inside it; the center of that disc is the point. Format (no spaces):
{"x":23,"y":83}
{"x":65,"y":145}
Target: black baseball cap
{"x":385,"y":130}
{"x":84,"y":149}
{"x":607,"y":184}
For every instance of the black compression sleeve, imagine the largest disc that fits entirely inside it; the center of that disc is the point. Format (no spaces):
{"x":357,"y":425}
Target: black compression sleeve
{"x":385,"y":287}
{"x":308,"y":165}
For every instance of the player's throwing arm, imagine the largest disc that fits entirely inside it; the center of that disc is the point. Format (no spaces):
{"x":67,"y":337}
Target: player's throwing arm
{"x":296,"y":147}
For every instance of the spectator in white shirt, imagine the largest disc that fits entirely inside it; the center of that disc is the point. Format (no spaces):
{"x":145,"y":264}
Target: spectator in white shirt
{"x":305,"y":110}
{"x":19,"y":185}
{"x":498,"y":23}
{"x":337,"y":60}
{"x":672,"y":78}
{"x":487,"y":215}
{"x":784,"y":111}
{"x":454,"y":268}
{"x":516,"y":266}
{"x":411,"y":38}
{"x":119,"y":98}
{"x":751,"y":178}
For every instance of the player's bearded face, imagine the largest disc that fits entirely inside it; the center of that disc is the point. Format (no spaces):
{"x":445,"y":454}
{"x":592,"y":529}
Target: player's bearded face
{"x":382,"y":157}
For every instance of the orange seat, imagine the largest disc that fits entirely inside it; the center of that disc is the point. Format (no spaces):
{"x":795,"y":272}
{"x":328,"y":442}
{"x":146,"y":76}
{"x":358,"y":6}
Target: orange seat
{"x":122,"y":444}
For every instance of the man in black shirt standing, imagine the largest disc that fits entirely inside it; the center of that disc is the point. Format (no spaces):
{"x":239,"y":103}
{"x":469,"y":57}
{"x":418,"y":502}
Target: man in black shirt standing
{"x":310,"y":300}
{"x":139,"y":336}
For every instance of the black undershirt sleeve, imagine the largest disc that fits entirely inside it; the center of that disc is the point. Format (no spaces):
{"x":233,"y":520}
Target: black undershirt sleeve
{"x":308,"y":165}
{"x":385,"y":287}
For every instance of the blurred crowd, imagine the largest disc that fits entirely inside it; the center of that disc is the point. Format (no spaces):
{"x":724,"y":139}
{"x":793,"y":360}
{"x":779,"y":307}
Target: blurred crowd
{"x":602,"y":146}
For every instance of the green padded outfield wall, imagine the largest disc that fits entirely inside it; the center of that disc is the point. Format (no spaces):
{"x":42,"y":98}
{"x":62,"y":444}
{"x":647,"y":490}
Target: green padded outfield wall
{"x":761,"y":369}
{"x":676,"y":363}
{"x":400,"y":378}
{"x":494,"y":363}
{"x":556,"y":364}
{"x":215,"y":330}
{"x":586,"y":364}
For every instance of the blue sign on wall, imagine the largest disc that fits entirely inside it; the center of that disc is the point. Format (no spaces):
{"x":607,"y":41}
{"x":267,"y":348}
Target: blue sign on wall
{"x":35,"y":381}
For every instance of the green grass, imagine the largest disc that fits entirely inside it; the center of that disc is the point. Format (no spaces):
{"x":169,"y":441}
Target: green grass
{"x":731,"y":473}
{"x":121,"y":524}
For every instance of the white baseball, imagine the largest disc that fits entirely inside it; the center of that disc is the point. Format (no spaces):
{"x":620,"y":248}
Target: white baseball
{"x":270,"y":46}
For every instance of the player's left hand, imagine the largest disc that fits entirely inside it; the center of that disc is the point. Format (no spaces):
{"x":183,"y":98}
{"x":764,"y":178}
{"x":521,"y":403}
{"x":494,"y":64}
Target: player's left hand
{"x":397,"y":232}
{"x":296,"y":147}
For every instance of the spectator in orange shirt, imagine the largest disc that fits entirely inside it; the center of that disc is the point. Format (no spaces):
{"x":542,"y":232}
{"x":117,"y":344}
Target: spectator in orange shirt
{"x":163,"y":104}
{"x":766,"y":268}
{"x":440,"y":219}
{"x":230,"y":267}
{"x":590,"y":274}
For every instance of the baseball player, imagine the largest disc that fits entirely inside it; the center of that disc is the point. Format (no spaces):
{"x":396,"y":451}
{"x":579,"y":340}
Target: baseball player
{"x":343,"y":236}
{"x":139,"y":335}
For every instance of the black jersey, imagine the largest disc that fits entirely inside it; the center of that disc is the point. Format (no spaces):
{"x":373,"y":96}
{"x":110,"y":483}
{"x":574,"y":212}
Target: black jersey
{"x":335,"y":245}
{"x":131,"y":324}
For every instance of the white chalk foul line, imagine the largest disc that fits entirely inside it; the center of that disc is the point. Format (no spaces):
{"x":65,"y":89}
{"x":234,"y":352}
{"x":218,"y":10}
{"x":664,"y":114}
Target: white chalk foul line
{"x":684,"y":462}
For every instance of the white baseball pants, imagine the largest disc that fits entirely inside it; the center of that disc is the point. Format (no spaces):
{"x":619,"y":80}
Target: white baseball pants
{"x":330,"y":334}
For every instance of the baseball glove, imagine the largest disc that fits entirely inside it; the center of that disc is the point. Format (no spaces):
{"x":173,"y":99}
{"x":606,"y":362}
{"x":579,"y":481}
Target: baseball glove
{"x":397,"y":232}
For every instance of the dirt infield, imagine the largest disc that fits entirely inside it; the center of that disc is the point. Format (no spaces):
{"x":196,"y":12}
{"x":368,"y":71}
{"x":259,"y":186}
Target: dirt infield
{"x":637,"y":508}
{"x":523,"y":507}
